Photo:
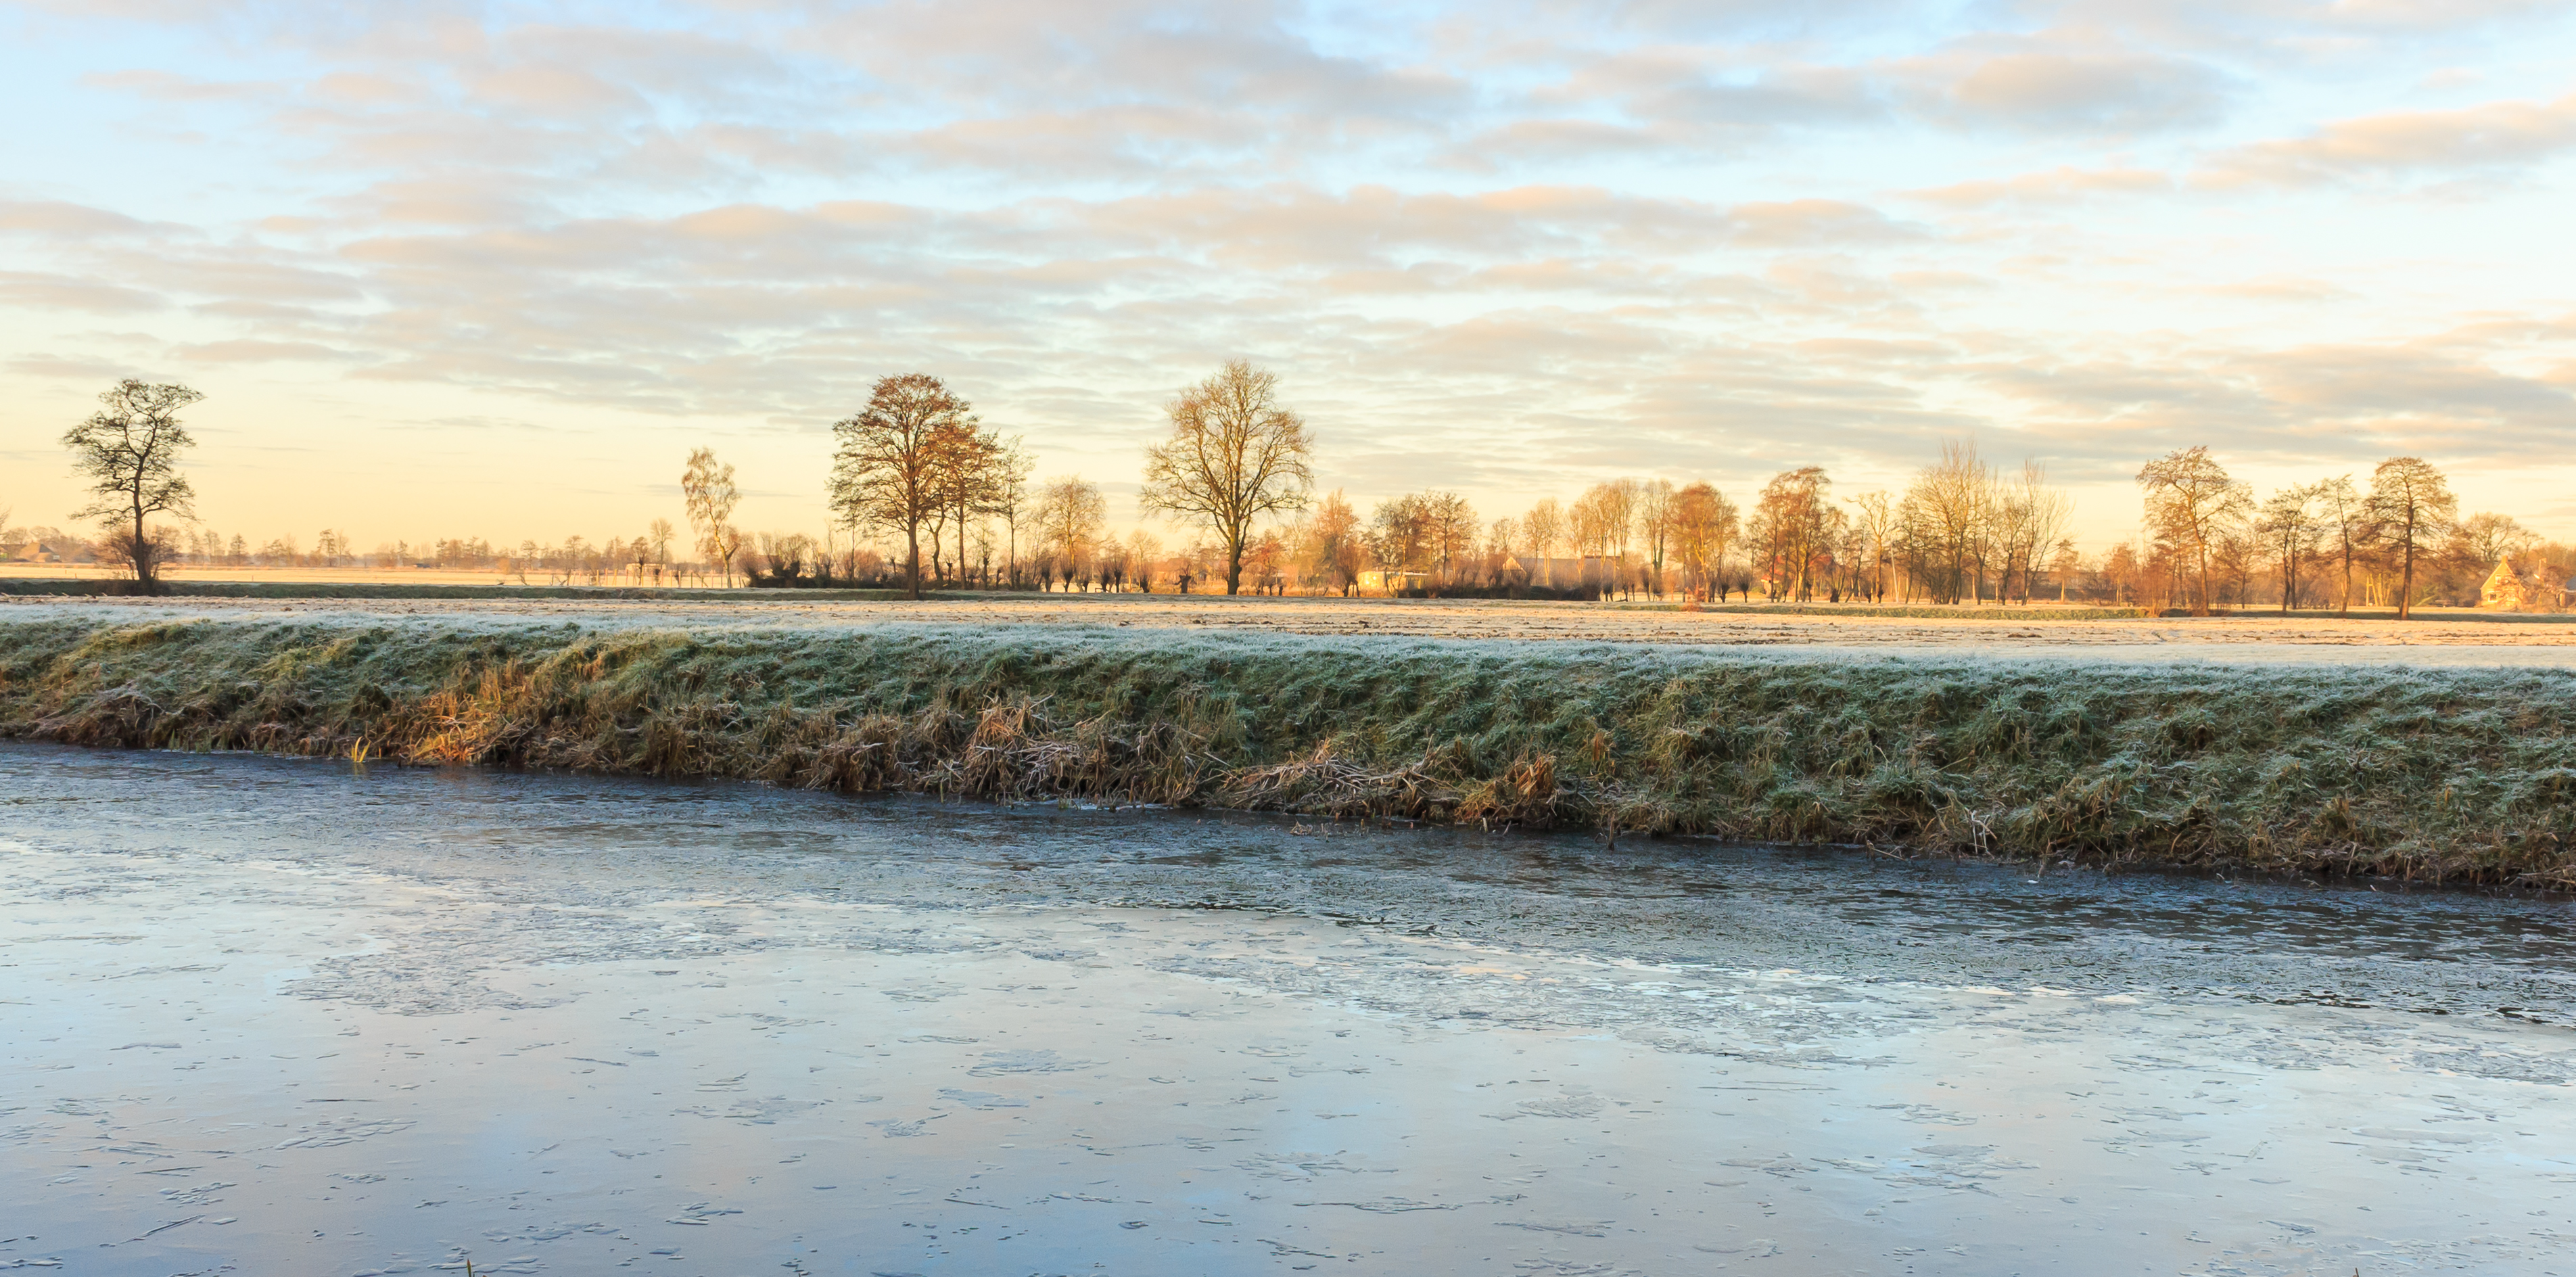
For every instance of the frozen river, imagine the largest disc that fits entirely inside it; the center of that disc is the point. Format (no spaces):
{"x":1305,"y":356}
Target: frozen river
{"x":270,"y":1016}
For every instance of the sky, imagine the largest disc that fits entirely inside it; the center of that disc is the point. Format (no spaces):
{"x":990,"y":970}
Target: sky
{"x":494,"y":269}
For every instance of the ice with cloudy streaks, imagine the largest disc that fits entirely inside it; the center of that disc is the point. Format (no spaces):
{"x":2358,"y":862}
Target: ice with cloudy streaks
{"x":279,"y":1016}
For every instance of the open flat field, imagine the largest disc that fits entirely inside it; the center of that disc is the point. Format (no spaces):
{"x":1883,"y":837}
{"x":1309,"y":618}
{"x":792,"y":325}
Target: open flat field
{"x":2435,"y":638}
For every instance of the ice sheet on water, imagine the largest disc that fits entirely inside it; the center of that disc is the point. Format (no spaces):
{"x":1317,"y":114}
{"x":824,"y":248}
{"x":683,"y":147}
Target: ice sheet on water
{"x":1305,"y":1084}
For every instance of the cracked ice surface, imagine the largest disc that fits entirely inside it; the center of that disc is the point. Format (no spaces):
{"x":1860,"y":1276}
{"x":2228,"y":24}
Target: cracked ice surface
{"x":279,"y":1017}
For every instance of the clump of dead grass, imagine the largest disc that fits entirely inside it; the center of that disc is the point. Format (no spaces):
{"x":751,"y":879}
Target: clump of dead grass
{"x":2466,"y":775}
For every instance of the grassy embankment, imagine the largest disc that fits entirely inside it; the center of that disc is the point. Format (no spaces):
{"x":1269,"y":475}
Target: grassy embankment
{"x":2459,"y":776}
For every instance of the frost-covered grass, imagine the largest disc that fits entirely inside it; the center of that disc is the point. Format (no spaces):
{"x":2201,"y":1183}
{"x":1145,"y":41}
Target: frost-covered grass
{"x":2038,"y":615}
{"x":2452,"y":775}
{"x":89,"y":588}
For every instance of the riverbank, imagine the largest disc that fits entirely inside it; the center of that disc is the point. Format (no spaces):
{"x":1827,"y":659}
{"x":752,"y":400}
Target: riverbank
{"x":2449,"y":775}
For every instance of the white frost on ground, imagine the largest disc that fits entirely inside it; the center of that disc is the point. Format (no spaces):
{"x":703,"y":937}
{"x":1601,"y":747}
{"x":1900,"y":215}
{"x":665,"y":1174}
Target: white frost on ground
{"x":2449,"y":639}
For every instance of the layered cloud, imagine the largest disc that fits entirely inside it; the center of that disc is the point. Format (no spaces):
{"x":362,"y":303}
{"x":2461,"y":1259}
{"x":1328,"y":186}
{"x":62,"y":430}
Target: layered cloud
{"x":2399,"y":144}
{"x":1496,"y":248}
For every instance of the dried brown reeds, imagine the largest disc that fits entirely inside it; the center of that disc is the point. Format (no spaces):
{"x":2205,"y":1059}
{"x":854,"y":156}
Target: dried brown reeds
{"x":2466,"y":775}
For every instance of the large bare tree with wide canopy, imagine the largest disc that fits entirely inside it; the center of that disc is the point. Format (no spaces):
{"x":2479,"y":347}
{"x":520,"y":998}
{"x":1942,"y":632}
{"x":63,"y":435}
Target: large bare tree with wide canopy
{"x":898,"y":458}
{"x":1234,"y":456}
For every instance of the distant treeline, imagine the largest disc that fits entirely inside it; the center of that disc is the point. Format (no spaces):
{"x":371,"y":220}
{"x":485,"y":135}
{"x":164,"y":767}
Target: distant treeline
{"x":921,"y":493}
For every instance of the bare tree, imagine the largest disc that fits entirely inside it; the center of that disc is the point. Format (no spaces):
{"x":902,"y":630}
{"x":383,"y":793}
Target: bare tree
{"x":1267,"y":562}
{"x":1619,"y":504}
{"x":895,"y":467}
{"x":2484,"y":539}
{"x":1010,"y":497}
{"x":2192,"y":502}
{"x":1399,"y":538}
{"x":1448,"y":533}
{"x":129,"y":451}
{"x":1334,"y":545}
{"x":1603,"y":522}
{"x":2290,"y":528}
{"x":1543,"y":527}
{"x":2064,"y":563}
{"x":2414,"y":505}
{"x":1071,"y":519}
{"x":1793,"y":525}
{"x":2041,"y":515}
{"x":1655,"y":524}
{"x":1500,"y":536}
{"x":1946,"y":511}
{"x":970,"y":481}
{"x":2349,"y":523}
{"x":708,"y":494}
{"x":1234,"y":456}
{"x":1144,"y":550}
{"x":2122,"y":571}
{"x":1877,"y":518}
{"x":1704,"y":525}
{"x":1587,"y":532}
{"x":2024,"y":518}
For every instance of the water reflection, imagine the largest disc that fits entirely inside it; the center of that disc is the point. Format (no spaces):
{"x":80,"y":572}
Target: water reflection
{"x":273,"y":1013}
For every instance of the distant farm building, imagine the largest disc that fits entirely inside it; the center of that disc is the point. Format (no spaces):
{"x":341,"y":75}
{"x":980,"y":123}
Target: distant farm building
{"x":2509,"y":590}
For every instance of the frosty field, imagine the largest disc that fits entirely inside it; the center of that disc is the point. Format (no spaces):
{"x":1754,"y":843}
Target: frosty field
{"x":2443,"y":638}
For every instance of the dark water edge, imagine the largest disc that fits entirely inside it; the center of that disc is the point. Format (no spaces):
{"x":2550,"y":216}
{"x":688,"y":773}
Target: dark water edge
{"x":1686,"y":902}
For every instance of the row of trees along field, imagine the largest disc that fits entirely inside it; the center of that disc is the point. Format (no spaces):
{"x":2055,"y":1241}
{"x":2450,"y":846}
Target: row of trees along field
{"x":923,"y":495}
{"x":1235,"y":471}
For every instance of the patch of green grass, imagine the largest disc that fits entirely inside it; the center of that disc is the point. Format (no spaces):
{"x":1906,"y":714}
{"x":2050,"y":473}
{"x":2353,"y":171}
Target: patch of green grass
{"x":2464,"y":775}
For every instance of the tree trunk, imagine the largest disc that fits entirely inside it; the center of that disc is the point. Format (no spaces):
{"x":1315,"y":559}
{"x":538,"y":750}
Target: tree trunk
{"x":140,"y":555}
{"x":912,"y":546}
{"x":2406,"y":586}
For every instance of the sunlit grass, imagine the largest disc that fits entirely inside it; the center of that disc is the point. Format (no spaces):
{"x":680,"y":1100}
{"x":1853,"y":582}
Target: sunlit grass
{"x":2452,"y":775}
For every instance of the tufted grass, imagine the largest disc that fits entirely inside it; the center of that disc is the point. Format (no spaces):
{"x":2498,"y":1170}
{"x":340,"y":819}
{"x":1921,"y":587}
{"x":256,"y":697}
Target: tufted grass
{"x":2462,"y":776}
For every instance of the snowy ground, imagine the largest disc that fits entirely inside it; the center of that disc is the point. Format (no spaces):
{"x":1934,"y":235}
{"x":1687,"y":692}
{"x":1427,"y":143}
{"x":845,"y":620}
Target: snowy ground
{"x":279,"y":1016}
{"x":2444,"y":639}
